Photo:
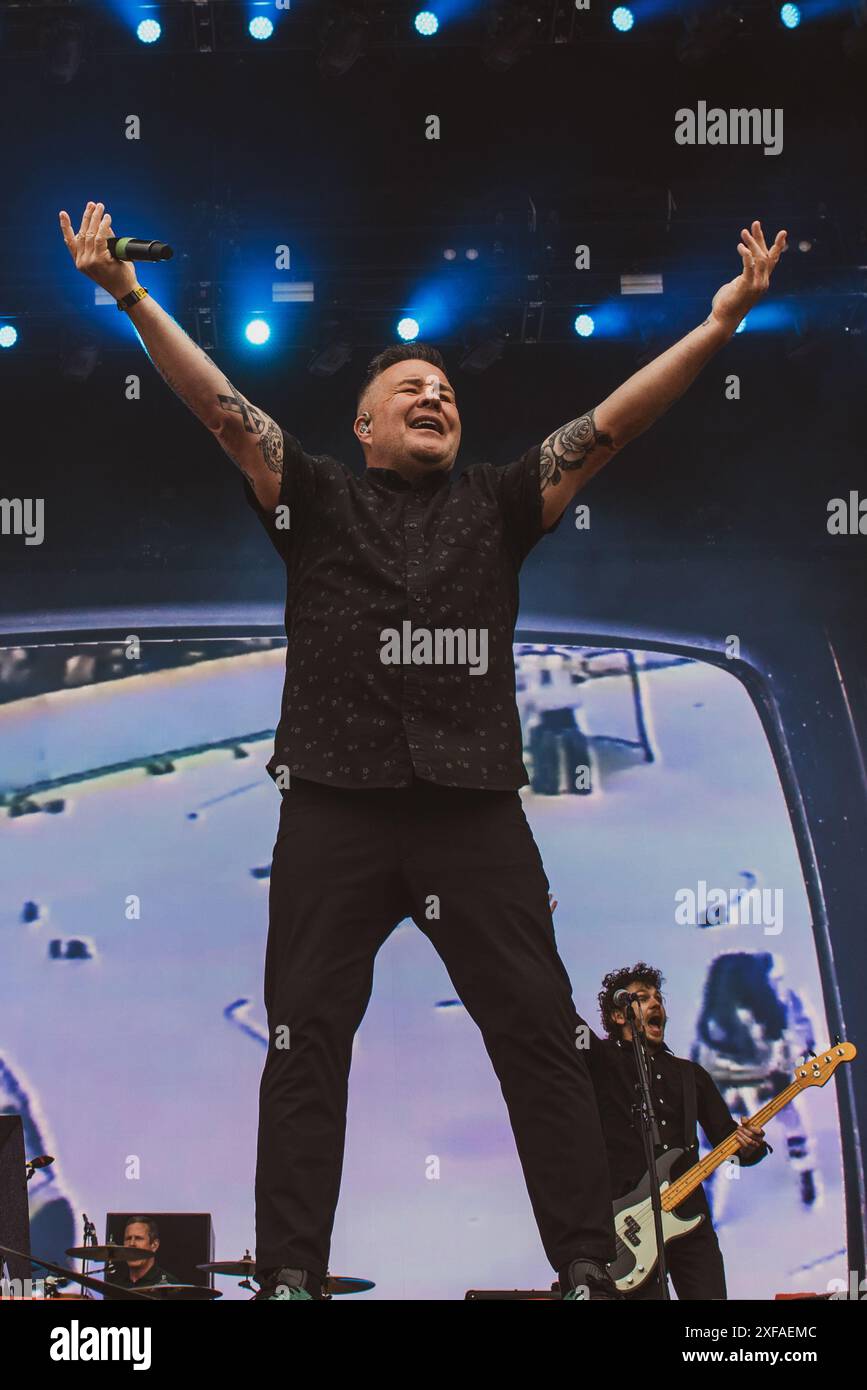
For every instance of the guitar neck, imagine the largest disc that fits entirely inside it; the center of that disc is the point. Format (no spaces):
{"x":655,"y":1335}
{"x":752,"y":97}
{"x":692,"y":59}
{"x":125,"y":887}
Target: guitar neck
{"x":683,"y":1186}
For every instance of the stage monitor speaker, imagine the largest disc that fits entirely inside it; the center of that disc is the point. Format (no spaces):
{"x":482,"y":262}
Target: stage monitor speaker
{"x":513,"y":1295}
{"x":186,"y":1240}
{"x":14,"y":1215}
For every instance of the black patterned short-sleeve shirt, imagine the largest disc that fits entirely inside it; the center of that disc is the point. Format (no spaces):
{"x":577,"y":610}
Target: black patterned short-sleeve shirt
{"x":401,"y":603}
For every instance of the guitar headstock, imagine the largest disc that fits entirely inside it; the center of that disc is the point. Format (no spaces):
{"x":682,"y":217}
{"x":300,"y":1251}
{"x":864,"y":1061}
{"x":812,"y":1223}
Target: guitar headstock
{"x":816,"y":1070}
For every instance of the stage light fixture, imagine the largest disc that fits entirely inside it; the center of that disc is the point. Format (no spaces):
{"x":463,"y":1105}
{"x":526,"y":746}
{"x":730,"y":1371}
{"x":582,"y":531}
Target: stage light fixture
{"x":641,"y":284}
{"x":790,"y":16}
{"x":333,"y":355}
{"x":584,"y":325}
{"x":512,"y":31}
{"x":426,"y":23}
{"x":148,"y":30}
{"x":80,"y":359}
{"x":708,"y":34}
{"x":204,"y":314}
{"x":623,"y":19}
{"x":61,"y":43}
{"x":450,"y":254}
{"x":293,"y":291}
{"x":408,"y":329}
{"x":484,"y":344}
{"x":260,"y":27}
{"x":8,"y":336}
{"x":345,"y":41}
{"x":257,"y":332}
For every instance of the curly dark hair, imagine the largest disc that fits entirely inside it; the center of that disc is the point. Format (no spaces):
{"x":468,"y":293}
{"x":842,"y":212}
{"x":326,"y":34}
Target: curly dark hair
{"x":619,"y":979}
{"x":398,"y":352}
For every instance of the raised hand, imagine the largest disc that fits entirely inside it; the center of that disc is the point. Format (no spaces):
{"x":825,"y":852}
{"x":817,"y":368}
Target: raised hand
{"x":88,"y":248}
{"x":735,"y":299}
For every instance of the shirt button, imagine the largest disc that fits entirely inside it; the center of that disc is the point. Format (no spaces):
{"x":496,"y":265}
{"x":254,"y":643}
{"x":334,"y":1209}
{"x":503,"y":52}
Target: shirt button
{"x":658,"y":1077}
{"x":662,"y":1122}
{"x":665,"y":1146}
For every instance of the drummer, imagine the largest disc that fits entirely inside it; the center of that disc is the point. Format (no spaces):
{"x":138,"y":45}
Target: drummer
{"x":143,"y":1232}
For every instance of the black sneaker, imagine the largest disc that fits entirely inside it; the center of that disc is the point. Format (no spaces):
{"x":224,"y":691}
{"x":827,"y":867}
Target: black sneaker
{"x":587,"y":1280}
{"x":279,"y":1284}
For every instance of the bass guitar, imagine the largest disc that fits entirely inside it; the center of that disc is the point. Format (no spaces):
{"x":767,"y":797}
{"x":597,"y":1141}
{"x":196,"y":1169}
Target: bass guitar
{"x":635,"y":1260}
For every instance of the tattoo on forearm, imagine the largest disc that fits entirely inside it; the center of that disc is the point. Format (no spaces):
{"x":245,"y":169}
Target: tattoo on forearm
{"x":568,"y":448}
{"x":270,"y":442}
{"x":271,"y":447}
{"x":252,"y":419}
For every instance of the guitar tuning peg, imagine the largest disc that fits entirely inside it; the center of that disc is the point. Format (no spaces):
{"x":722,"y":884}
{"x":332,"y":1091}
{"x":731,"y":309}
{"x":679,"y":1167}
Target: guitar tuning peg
{"x":836,"y":1039}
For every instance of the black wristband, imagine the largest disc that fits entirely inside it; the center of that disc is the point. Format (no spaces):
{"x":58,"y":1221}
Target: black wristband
{"x":132,"y":298}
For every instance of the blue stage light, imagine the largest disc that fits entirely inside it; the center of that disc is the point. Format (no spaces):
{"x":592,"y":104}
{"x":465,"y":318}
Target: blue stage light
{"x":790,"y":16}
{"x":623,"y":19}
{"x":257,"y":332}
{"x":149,"y":31}
{"x":741,"y":326}
{"x":426,"y":23}
{"x":408,"y":329}
{"x":584,"y":325}
{"x":8,"y":335}
{"x":260,"y":27}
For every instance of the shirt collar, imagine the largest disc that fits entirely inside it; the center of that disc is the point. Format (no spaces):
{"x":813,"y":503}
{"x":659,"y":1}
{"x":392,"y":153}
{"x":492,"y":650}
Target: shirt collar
{"x":664,"y":1048}
{"x":390,"y":478}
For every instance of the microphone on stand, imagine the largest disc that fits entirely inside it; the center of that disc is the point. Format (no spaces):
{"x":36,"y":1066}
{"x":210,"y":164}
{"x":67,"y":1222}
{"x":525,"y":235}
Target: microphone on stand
{"x":622,"y":999}
{"x":42,"y":1161}
{"x":133,"y":248}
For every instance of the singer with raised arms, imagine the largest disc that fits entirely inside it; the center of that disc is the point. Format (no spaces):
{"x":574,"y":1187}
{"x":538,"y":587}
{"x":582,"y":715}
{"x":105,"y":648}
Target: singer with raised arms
{"x":400,"y":782}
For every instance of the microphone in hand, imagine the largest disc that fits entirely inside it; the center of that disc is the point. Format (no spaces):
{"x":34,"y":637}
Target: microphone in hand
{"x":133,"y":248}
{"x":113,"y":270}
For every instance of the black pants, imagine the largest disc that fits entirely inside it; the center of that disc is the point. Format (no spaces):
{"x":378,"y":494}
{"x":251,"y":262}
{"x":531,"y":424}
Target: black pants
{"x":695,"y":1264}
{"x":348,"y":866}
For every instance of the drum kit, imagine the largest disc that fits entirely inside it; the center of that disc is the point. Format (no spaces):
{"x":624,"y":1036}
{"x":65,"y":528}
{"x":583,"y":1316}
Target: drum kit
{"x":163,"y":1291}
{"x":245,"y":1269}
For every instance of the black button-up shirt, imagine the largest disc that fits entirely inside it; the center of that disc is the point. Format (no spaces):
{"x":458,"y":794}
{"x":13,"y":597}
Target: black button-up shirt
{"x":615,"y":1081}
{"x":370,"y":554}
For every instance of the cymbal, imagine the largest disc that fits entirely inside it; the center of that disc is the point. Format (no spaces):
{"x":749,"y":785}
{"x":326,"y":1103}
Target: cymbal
{"x":344,"y":1283}
{"x":193,"y":1292}
{"x":110,"y":1254}
{"x":86,"y":1281}
{"x":246,"y":1268}
{"x":241,"y":1268}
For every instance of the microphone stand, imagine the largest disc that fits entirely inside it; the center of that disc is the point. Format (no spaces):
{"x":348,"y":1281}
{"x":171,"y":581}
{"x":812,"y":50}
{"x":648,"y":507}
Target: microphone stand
{"x":89,"y":1239}
{"x":650,"y":1136}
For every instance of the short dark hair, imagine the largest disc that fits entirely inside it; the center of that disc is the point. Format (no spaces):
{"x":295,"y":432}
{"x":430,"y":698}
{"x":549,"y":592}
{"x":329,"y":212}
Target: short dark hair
{"x":619,"y":979}
{"x":153,"y":1228}
{"x":398,"y":352}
